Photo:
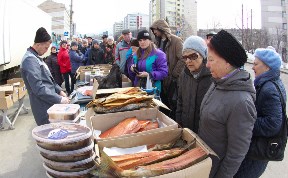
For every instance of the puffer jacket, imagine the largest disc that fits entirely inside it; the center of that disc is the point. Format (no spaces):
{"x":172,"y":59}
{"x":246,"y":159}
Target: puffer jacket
{"x":268,"y":104}
{"x":190,"y":95}
{"x":64,"y":61}
{"x":77,"y":59}
{"x":173,"y":51}
{"x":227,"y":117}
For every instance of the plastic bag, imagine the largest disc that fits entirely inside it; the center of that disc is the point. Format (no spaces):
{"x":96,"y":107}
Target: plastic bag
{"x":149,"y":83}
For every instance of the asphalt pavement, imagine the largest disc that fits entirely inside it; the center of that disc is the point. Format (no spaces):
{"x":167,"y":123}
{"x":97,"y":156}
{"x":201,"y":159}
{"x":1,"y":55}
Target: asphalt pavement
{"x":19,"y":157}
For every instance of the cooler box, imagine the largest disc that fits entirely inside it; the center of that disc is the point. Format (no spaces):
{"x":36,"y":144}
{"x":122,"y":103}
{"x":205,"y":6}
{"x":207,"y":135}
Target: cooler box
{"x":63,"y":112}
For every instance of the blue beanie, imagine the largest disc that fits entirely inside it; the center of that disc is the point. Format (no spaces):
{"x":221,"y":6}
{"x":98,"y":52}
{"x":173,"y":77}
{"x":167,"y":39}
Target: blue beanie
{"x":270,"y":57}
{"x":196,"y":43}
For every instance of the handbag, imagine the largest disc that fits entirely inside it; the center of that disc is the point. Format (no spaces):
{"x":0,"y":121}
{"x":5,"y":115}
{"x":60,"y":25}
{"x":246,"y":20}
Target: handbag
{"x":270,"y":148}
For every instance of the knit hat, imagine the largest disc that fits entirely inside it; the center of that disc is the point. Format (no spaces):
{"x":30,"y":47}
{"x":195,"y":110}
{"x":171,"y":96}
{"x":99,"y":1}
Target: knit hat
{"x":196,"y":43}
{"x":42,"y":36}
{"x":144,"y":34}
{"x":95,"y":42}
{"x":74,"y":43}
{"x":134,"y":42}
{"x":270,"y":57}
{"x":228,"y":47}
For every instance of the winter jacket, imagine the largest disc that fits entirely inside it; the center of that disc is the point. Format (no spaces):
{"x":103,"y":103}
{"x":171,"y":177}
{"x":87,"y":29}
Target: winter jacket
{"x":120,"y":54}
{"x":269,"y":117}
{"x":110,"y":54}
{"x":268,"y":104}
{"x":95,"y":56}
{"x":64,"y":60}
{"x":190,"y":94}
{"x":42,"y":89}
{"x":173,"y":51}
{"x":77,"y":60}
{"x":54,"y":68}
{"x":155,"y":64}
{"x":227,"y":117}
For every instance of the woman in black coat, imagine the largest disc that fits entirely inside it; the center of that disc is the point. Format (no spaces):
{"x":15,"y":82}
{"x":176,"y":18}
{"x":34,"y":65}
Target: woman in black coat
{"x":53,"y":66}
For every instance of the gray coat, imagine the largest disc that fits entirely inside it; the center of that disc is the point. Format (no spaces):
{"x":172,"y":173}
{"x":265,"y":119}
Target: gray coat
{"x":42,"y":89}
{"x":227,"y":117}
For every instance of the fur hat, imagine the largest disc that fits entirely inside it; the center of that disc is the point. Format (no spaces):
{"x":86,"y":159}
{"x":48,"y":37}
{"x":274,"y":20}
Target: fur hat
{"x":110,"y":38}
{"x":228,"y":47}
{"x":144,"y":34}
{"x":196,"y":43}
{"x":269,"y":57}
{"x":42,"y":36}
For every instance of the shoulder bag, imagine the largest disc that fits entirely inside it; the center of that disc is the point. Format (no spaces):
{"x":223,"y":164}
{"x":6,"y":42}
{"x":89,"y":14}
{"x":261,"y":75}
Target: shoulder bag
{"x":271,"y":148}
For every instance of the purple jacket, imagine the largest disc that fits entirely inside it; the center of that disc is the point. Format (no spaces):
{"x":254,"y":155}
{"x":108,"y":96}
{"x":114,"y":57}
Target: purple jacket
{"x":155,"y":64}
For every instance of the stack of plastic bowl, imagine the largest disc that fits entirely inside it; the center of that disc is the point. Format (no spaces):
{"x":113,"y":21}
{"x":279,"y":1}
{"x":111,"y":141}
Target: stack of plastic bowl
{"x":66,"y":149}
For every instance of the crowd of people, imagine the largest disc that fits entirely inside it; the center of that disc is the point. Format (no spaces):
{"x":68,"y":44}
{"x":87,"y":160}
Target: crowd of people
{"x":201,"y":80}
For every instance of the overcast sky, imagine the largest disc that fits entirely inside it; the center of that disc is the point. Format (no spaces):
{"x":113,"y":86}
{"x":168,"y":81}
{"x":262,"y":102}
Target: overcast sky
{"x":97,"y":16}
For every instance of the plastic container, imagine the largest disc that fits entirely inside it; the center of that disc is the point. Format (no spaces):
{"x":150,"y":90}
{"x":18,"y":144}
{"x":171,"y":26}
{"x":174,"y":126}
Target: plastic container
{"x":87,"y":76}
{"x":58,"y":174}
{"x":62,"y":136}
{"x":63,"y":112}
{"x":68,"y":156}
{"x":71,"y":166}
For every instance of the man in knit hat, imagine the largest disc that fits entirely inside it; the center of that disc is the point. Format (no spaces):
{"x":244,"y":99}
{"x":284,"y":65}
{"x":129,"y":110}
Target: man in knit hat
{"x":171,"y":45}
{"x":193,"y":83}
{"x":42,"y":89}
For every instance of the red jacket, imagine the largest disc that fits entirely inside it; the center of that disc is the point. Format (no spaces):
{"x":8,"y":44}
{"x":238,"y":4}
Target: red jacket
{"x":64,"y":61}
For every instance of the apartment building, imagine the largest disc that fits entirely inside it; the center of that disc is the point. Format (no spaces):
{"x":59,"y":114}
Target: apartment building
{"x":274,"y":20}
{"x":136,"y":21}
{"x":180,"y":14}
{"x":60,"y":17}
{"x":117,"y":27}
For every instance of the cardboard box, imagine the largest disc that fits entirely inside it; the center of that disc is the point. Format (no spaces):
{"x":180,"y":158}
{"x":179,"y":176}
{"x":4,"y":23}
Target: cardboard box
{"x":104,"y":68}
{"x":6,"y":102}
{"x":199,"y":170}
{"x":104,"y":122}
{"x":16,"y":80}
{"x":6,"y":90}
{"x":22,"y":91}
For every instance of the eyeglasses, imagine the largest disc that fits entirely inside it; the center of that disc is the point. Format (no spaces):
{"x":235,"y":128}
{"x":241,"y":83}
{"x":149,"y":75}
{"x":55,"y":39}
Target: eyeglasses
{"x":191,"y":57}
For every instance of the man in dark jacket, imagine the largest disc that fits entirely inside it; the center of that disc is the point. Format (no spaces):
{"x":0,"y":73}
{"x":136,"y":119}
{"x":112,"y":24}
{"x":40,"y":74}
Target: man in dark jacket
{"x":42,"y":89}
{"x":172,"y":46}
{"x":193,"y":83}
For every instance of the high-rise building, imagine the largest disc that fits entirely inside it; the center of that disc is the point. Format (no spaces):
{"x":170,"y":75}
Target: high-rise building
{"x":274,"y":20}
{"x":181,"y":15}
{"x":117,"y":27}
{"x":136,"y":21}
{"x":60,"y":17}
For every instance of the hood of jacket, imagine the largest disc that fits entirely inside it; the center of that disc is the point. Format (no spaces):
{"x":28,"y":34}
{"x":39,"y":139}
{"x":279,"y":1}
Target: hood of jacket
{"x":161,"y":25}
{"x":239,"y":81}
